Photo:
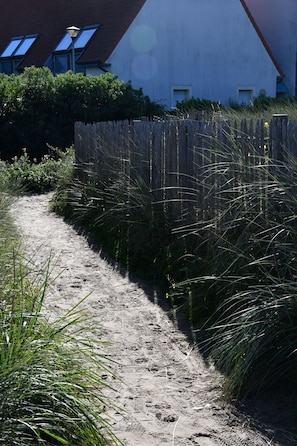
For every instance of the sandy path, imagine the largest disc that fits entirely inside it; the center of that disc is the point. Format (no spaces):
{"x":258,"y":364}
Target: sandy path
{"x":170,"y":396}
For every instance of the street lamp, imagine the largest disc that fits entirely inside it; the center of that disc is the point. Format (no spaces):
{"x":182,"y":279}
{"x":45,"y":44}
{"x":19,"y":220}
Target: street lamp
{"x":73,"y":32}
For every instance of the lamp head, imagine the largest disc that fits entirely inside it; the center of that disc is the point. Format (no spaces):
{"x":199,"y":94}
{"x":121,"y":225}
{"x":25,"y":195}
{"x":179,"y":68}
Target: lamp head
{"x":73,"y":31}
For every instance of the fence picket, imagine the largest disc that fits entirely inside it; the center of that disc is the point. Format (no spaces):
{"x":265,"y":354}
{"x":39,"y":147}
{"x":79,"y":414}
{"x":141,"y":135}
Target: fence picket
{"x":175,"y":158}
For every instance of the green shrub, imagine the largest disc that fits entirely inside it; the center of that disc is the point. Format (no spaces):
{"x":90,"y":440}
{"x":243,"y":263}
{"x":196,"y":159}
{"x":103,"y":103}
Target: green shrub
{"x":39,"y":177}
{"x":38,"y":109}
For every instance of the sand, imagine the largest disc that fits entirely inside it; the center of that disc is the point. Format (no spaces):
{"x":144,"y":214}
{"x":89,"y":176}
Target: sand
{"x":170,"y":396}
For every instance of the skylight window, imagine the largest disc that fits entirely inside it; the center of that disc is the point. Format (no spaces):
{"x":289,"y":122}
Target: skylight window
{"x":11,"y":47}
{"x":18,"y":46}
{"x":64,"y":44}
{"x":68,"y":51}
{"x":80,"y":41}
{"x":84,"y":37}
{"x":24,"y":46}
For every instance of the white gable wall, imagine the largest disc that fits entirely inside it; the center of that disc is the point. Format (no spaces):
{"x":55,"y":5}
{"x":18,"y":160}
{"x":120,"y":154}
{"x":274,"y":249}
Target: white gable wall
{"x":278,"y":23}
{"x":209,"y":47}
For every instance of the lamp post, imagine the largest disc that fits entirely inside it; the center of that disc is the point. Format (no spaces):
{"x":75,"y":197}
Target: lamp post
{"x":73,"y":32}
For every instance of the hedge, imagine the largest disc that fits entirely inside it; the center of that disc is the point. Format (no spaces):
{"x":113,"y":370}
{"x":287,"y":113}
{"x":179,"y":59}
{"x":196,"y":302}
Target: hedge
{"x":39,"y":109}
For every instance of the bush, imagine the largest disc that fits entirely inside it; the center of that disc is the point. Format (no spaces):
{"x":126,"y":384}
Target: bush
{"x":31,"y":176}
{"x":39,"y":109}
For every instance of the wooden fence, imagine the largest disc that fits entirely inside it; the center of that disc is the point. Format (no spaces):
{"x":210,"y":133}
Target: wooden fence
{"x":176,"y":159}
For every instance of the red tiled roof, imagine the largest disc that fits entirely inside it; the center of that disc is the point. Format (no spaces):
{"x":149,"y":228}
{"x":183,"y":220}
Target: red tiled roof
{"x":262,"y":38}
{"x":50,"y":18}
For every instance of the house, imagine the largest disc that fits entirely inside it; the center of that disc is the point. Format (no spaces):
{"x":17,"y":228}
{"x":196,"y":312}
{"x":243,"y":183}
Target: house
{"x":172,"y":49}
{"x":278,"y":23}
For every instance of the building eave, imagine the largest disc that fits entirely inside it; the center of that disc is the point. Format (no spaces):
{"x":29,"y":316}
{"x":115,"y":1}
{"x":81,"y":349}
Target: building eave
{"x":262,"y":38}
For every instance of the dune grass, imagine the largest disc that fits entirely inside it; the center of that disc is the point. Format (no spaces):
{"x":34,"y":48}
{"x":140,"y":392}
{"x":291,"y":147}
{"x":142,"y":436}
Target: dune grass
{"x":52,"y":373}
{"x":261,"y":108}
{"x":232,"y":270}
{"x":246,"y":273}
{"x":125,"y":217}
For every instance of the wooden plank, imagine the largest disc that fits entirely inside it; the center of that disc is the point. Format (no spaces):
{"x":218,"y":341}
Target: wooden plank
{"x":180,"y":156}
{"x":157,"y":134}
{"x":279,"y":136}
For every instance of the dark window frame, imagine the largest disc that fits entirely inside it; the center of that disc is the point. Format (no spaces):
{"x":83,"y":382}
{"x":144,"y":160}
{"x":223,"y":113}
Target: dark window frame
{"x":11,"y":60}
{"x":66,"y":49}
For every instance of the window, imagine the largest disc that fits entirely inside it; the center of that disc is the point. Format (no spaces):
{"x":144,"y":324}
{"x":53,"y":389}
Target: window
{"x":65,"y":43}
{"x":245,"y":96}
{"x":61,"y":63}
{"x":83,"y":38}
{"x":10,"y":49}
{"x":62,"y":56}
{"x":24,"y":46}
{"x":179,"y":94}
{"x":14,"y":53}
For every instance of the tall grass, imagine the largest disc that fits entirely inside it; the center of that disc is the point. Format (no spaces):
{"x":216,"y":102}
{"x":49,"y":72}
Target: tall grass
{"x":262,"y":108}
{"x":247,"y":270}
{"x":52,"y":374}
{"x":123,"y":214}
{"x":230,"y":263}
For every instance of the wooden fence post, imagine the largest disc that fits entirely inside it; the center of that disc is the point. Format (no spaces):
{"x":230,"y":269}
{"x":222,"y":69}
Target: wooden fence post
{"x":278,"y":136}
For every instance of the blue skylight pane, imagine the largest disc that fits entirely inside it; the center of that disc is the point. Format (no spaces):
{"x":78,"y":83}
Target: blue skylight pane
{"x":11,"y":47}
{"x":64,"y":44}
{"x":84,"y":37}
{"x":25,"y":45}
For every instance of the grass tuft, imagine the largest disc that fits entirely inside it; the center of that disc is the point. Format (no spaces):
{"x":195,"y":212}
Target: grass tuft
{"x":52,"y":373}
{"x":229,"y":261}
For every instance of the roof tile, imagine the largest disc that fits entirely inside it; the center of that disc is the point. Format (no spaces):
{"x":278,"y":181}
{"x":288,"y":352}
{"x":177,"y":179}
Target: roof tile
{"x":50,"y":18}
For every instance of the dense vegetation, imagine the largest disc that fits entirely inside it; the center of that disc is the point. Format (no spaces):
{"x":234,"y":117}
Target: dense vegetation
{"x":38,"y":109}
{"x":262,"y":106}
{"x":234,"y":275}
{"x":32,"y":176}
{"x":50,"y":370}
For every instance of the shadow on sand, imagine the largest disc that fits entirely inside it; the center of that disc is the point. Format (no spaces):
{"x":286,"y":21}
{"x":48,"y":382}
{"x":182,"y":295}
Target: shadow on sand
{"x":273,"y":413}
